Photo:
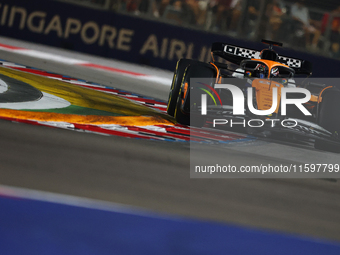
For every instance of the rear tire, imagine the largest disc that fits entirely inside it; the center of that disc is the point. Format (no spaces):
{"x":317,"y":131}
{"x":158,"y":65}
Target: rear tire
{"x":329,"y":119}
{"x":195,"y":70}
{"x":177,"y":79}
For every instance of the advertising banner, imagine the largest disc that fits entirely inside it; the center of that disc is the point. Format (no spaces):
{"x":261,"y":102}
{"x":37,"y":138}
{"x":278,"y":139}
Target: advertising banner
{"x":128,"y":38}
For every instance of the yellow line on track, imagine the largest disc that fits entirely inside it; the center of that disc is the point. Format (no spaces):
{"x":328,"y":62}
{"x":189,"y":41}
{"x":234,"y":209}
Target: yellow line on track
{"x":86,"y":120}
{"x":81,"y":96}
{"x":84,"y":97}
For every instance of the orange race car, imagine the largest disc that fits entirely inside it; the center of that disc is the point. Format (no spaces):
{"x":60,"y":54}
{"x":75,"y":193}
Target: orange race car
{"x":261,"y":92}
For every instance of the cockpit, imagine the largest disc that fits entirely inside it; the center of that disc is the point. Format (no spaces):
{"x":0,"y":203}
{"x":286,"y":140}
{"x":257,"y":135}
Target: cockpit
{"x":265,"y":69}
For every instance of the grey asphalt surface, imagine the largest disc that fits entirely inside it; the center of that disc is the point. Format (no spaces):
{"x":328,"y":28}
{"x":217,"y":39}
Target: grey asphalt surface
{"x":155,"y":175}
{"x":18,"y":91}
{"x":100,"y":76}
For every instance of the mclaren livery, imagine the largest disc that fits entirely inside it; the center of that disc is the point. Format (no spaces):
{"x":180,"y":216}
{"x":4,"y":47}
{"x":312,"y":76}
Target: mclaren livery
{"x":261,"y":72}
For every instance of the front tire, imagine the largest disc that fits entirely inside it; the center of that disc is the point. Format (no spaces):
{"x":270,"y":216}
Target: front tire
{"x":195,"y":70}
{"x":182,"y":64}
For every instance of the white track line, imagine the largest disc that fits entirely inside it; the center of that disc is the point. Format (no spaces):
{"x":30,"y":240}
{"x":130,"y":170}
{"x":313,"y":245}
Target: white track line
{"x":47,"y":101}
{"x":49,"y":197}
{"x":73,"y":61}
{"x":3,"y":86}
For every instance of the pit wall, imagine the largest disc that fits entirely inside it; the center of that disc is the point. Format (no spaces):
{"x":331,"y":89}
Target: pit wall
{"x":128,"y":38}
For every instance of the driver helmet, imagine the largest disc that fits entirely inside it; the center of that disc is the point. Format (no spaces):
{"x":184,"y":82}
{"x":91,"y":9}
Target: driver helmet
{"x":275,"y":72}
{"x":261,"y":69}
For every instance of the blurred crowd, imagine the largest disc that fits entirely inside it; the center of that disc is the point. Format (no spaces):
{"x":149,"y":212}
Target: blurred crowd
{"x":313,"y":25}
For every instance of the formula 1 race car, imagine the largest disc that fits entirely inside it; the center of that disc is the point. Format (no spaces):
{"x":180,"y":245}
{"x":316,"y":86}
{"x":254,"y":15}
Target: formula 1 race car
{"x":269,"y":84}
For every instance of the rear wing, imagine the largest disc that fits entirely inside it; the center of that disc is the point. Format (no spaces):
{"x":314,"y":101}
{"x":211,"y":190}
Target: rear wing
{"x":236,"y":54}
